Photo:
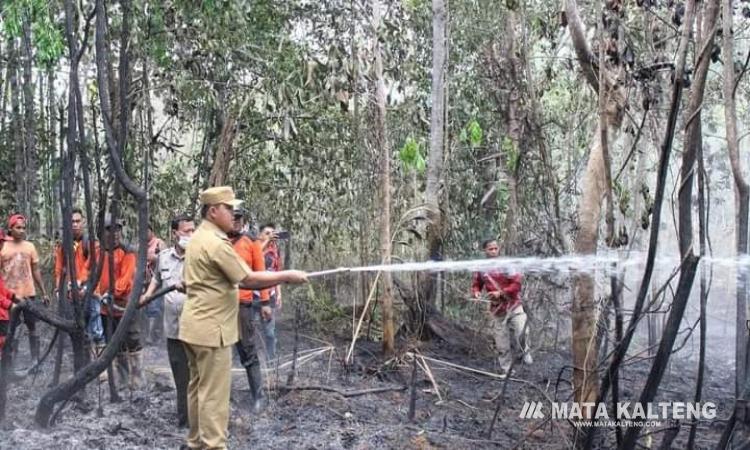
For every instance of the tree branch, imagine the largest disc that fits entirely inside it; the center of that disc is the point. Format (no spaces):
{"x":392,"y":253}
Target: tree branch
{"x":586,"y":57}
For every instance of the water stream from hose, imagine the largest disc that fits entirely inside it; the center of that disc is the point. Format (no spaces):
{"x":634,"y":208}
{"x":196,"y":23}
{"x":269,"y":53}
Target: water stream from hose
{"x":604,"y":262}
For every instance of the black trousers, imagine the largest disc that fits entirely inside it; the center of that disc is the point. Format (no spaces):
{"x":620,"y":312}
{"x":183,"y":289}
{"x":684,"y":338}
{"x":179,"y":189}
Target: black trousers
{"x":246,"y":347}
{"x":181,"y":374}
{"x":30,"y":320}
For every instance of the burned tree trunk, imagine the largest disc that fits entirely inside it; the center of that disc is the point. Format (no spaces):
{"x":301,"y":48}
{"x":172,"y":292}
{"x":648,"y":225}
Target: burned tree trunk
{"x":741,"y":191}
{"x":703,"y":236}
{"x":115,"y":145}
{"x":742,"y":209}
{"x":16,"y":124}
{"x":423,"y":312}
{"x":661,"y":181}
{"x":437,"y":129}
{"x":690,"y":261}
{"x":29,"y":179}
{"x":687,"y":274}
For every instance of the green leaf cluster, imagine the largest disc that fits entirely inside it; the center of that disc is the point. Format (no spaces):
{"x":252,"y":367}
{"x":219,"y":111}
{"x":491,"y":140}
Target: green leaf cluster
{"x":411,"y":157}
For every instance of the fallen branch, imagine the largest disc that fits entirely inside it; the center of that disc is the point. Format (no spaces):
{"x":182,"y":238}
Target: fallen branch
{"x":45,"y":315}
{"x":34,"y":369}
{"x":301,"y":360}
{"x":496,"y":376}
{"x":309,"y":356}
{"x":423,"y":365}
{"x":361,"y":319}
{"x":413,"y":391}
{"x":356,"y":393}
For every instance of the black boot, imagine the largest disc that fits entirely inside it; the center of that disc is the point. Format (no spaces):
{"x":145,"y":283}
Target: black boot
{"x":255,"y":380}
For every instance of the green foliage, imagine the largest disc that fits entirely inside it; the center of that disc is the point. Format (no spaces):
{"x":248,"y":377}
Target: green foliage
{"x":169,"y":193}
{"x":293,"y":73}
{"x":48,"y":41}
{"x":411,"y":155}
{"x":12,"y":16}
{"x":472,"y":134}
{"x":46,"y":35}
{"x":415,"y":5}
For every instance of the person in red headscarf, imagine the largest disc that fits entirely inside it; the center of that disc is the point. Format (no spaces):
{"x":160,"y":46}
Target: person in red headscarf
{"x":19,"y":264}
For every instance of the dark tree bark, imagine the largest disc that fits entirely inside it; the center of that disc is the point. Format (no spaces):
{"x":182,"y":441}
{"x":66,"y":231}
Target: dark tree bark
{"x":115,"y":146}
{"x":703,"y":233}
{"x":741,"y":192}
{"x":224,"y":153}
{"x":685,"y":285}
{"x":16,"y":124}
{"x":692,"y":130}
{"x":661,"y":181}
{"x":29,"y":182}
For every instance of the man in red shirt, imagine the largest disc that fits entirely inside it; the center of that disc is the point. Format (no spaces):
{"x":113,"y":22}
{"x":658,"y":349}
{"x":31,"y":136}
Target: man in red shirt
{"x":508,"y":317}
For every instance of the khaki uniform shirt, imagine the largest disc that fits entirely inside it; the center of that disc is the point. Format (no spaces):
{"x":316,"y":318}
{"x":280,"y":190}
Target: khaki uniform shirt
{"x":167,"y":273}
{"x":212,"y":272}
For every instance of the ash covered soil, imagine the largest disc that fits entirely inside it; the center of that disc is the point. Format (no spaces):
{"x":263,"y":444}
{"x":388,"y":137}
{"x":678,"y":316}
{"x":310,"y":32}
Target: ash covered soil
{"x":313,"y":419}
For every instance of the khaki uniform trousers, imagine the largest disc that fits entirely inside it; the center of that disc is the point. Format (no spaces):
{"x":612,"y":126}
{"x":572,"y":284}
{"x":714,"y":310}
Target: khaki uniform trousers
{"x":208,"y":395}
{"x":511,"y":336}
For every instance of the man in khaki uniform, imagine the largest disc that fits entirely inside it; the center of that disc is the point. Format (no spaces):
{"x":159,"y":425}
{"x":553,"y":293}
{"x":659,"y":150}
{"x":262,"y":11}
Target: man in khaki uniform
{"x":208,"y":325}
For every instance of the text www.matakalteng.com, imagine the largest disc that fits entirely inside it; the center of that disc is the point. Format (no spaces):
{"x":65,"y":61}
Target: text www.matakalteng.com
{"x":618,"y":423}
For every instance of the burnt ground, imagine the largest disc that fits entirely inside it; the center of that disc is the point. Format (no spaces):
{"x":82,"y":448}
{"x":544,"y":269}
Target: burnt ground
{"x":314,"y":419}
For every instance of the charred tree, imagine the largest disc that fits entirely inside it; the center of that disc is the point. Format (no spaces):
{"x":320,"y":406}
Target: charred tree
{"x":685,"y":285}
{"x":29,"y":180}
{"x":661,"y":181}
{"x":115,"y":146}
{"x":690,"y":261}
{"x":741,"y":189}
{"x":703,"y":236}
{"x":16,"y":130}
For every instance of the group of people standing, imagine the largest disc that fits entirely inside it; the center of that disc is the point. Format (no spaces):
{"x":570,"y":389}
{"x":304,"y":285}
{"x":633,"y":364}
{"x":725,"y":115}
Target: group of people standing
{"x":202,"y":319}
{"x":225,"y":281}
